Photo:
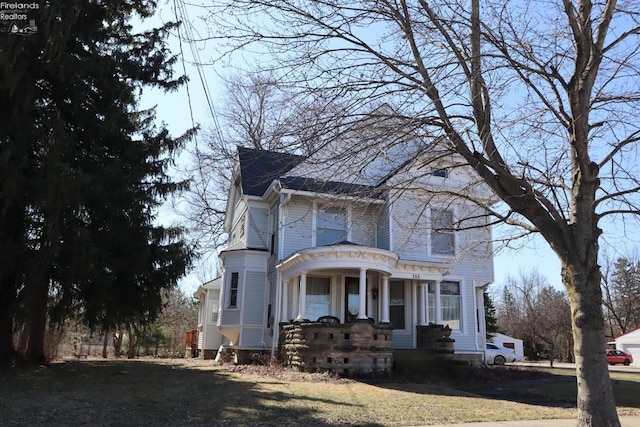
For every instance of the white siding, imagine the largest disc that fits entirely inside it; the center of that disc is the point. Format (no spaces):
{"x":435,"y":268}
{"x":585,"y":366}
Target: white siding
{"x":253,"y":304}
{"x":409,"y":227}
{"x":257,"y":233}
{"x":237,"y":234}
{"x":297,"y":227}
{"x":383,"y":234}
{"x":230,"y":317}
{"x":363,"y":225}
{"x":251,"y":267}
{"x":252,"y":337}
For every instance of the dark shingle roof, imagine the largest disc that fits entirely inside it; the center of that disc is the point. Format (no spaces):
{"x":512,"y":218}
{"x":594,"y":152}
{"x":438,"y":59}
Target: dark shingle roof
{"x":333,"y":187}
{"x":258,"y":168}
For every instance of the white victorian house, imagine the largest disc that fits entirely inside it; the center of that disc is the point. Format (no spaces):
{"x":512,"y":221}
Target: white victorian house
{"x":374,"y":238}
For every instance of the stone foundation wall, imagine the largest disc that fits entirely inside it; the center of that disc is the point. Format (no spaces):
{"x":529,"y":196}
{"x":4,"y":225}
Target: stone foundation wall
{"x":474,"y":359}
{"x":435,"y":338}
{"x":346,"y":349}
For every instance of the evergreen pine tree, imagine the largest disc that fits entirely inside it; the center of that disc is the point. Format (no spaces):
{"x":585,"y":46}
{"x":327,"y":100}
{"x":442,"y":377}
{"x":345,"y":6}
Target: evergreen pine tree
{"x":83,"y":170}
{"x":490,"y":319}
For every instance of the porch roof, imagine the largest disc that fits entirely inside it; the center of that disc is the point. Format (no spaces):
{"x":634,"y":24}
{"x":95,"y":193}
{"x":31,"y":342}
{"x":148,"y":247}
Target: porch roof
{"x":347,"y":255}
{"x":340,"y":256}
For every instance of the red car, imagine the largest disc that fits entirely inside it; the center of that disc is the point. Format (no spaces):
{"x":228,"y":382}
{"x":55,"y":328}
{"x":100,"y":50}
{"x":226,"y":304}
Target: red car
{"x":617,"y":356}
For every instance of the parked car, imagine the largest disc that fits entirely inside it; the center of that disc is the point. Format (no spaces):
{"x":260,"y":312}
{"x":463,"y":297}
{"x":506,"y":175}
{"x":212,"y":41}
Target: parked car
{"x":618,"y":356}
{"x":498,"y":355}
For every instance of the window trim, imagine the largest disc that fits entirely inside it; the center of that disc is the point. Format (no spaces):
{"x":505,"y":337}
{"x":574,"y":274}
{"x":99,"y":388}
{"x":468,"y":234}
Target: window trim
{"x":440,"y":172}
{"x":459,"y":299}
{"x":406,"y":299}
{"x":431,"y":299}
{"x":234,"y":291}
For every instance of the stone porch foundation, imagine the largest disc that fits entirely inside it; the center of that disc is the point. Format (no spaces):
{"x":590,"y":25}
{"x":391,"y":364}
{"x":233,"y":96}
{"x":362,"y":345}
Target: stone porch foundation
{"x":346,"y":349}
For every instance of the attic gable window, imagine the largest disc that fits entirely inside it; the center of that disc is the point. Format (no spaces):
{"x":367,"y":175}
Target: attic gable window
{"x":442,"y":173}
{"x":331,"y":226}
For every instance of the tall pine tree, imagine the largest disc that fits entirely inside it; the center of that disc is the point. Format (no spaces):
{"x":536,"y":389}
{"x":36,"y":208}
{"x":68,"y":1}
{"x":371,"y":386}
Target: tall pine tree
{"x":490,"y":319}
{"x":83,"y":171}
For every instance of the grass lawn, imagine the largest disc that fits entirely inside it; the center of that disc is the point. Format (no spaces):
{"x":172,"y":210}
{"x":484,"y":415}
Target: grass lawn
{"x":176,"y":392}
{"x":626,"y":389}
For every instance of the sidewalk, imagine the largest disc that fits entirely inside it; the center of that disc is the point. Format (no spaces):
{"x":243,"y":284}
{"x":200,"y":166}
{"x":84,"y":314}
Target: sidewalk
{"x":631,"y":421}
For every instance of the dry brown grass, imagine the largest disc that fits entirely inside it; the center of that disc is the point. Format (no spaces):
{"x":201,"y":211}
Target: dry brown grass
{"x":187,"y":392}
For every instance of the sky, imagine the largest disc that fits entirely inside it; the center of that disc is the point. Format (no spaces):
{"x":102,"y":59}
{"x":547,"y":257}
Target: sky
{"x":180,"y":109}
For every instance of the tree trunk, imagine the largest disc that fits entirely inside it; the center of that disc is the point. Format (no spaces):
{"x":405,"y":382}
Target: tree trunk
{"x":7,"y":298}
{"x":596,"y":405}
{"x":23,"y":339}
{"x":117,"y":342}
{"x":104,"y":344}
{"x":38,"y":324}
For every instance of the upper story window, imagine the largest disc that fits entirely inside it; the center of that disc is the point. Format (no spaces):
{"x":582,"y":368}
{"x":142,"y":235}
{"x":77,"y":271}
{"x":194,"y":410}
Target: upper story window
{"x":442,"y":173}
{"x":331,"y":226}
{"x":442,"y":235}
{"x":233,"y":291}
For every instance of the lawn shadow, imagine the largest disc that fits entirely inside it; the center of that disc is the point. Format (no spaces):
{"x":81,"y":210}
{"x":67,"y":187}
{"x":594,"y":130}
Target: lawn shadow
{"x":145,"y":393}
{"x":531,"y":387}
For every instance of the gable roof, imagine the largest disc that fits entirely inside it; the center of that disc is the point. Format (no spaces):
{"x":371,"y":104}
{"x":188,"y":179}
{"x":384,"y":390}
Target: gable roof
{"x":627,"y":333}
{"x":322,"y":186}
{"x":258,"y":168}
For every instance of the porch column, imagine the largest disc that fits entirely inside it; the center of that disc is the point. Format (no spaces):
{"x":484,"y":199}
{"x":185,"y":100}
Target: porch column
{"x":283,"y":300}
{"x":385,"y":300}
{"x":422,"y":319}
{"x":295,"y":303}
{"x":437,"y":303}
{"x":303,"y":296}
{"x":362,"y":308}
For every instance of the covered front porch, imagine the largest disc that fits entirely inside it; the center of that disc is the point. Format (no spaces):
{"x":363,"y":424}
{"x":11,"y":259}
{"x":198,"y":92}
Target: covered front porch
{"x":340,"y":306}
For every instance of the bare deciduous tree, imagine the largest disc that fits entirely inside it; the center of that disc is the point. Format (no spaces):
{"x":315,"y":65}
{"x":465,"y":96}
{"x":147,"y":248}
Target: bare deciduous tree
{"x":621,"y":287}
{"x":256,"y":111}
{"x":539,"y":97}
{"x":534,"y":311}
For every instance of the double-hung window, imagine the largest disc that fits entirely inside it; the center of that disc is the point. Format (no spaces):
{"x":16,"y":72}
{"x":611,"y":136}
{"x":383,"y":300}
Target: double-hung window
{"x":318,"y":301}
{"x":331,"y":226}
{"x":442,"y":236}
{"x":233,"y":291}
{"x":450,"y":303}
{"x":397,"y":304}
